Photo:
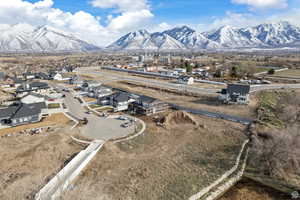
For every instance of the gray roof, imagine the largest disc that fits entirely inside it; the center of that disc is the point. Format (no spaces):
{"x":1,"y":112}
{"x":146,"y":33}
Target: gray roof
{"x":21,"y":110}
{"x":17,"y":80}
{"x":121,"y":96}
{"x":2,"y":75}
{"x":39,"y":85}
{"x":7,"y":112}
{"x":29,"y":110}
{"x":36,"y":95}
{"x":238,"y":89}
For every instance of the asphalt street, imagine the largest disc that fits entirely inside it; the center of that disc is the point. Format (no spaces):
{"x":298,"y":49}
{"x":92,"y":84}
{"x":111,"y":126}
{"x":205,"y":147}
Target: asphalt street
{"x":100,"y":128}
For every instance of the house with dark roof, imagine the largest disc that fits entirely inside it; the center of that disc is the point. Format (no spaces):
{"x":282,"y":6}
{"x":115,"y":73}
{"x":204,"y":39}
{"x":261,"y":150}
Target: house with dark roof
{"x":13,"y":82}
{"x":33,"y":86}
{"x":42,"y":76}
{"x":119,"y":101}
{"x":2,"y":76}
{"x":20,"y":114}
{"x":235,"y":93}
{"x":148,"y":106}
{"x":187,"y":80}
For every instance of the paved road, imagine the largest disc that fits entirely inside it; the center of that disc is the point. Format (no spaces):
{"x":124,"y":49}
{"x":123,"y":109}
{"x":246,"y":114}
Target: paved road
{"x":216,"y":115}
{"x":155,"y":83}
{"x":256,"y":88}
{"x":186,"y":88}
{"x":98,"y":127}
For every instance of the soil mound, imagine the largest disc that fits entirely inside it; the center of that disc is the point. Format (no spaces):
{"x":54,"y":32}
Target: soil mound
{"x":178,"y":118}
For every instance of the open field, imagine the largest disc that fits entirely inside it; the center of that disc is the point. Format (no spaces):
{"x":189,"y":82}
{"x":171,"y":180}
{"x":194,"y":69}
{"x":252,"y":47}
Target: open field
{"x":163,"y":80}
{"x":250,"y":190}
{"x":292,"y":73}
{"x":29,"y":162}
{"x":55,"y":119}
{"x":205,"y":102}
{"x":164,"y":163}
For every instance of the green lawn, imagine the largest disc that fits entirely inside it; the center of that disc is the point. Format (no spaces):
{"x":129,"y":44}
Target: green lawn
{"x":53,"y":105}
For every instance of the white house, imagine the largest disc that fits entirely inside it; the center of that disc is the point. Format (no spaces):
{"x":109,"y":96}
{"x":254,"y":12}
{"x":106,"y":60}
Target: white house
{"x":235,"y":94}
{"x":180,"y":70}
{"x":58,"y":77}
{"x":186,"y":80}
{"x":33,"y":98}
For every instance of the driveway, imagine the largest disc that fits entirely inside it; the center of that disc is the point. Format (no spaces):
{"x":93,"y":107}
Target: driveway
{"x":98,"y":127}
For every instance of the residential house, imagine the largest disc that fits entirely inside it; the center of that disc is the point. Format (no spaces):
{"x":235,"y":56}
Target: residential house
{"x":13,"y":82}
{"x":235,"y":93}
{"x":2,"y":76}
{"x":168,"y":72}
{"x":58,"y":77}
{"x":180,"y":70}
{"x":99,"y":92}
{"x":28,"y":76}
{"x":186,"y":80}
{"x":20,"y":114}
{"x":147,"y":105}
{"x":42,"y":76}
{"x":33,"y":86}
{"x":67,"y":69}
{"x":119,"y":101}
{"x":88,"y":86}
{"x":33,"y":97}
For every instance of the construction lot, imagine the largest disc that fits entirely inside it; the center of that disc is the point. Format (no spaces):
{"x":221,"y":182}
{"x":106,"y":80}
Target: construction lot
{"x":174,"y":160}
{"x":205,"y":102}
{"x":30,"y":161}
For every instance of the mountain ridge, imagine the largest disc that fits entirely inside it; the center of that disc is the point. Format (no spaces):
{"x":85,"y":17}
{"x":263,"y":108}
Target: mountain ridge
{"x":267,"y":35}
{"x":27,"y":38}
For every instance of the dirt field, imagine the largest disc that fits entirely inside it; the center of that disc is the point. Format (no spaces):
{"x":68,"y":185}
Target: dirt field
{"x":55,"y":119}
{"x":205,"y":102}
{"x":249,"y":190}
{"x":28,"y":162}
{"x":293,"y":73}
{"x":164,"y":163}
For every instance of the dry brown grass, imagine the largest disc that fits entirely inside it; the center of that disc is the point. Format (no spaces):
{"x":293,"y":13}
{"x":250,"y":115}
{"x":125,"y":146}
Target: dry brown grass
{"x":28,"y":162}
{"x":55,"y":119}
{"x":88,"y":99}
{"x":205,"y":102}
{"x":162,"y":164}
{"x":249,"y":190}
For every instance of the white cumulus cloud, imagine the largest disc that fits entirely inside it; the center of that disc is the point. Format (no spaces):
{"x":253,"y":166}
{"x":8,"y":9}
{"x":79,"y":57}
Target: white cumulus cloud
{"x":128,"y":15}
{"x":263,"y":4}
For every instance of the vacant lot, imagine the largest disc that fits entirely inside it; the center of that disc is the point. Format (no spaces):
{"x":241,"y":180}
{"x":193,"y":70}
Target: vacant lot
{"x":164,"y":163}
{"x":250,"y":190}
{"x":292,"y":73}
{"x":205,"y":102}
{"x":28,"y":162}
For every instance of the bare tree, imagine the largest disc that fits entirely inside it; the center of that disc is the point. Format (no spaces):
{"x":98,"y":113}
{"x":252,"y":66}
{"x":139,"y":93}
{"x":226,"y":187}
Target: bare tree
{"x":277,"y":153}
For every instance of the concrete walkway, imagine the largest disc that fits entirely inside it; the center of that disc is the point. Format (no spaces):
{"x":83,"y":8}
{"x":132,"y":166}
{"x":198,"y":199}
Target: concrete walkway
{"x":54,"y":188}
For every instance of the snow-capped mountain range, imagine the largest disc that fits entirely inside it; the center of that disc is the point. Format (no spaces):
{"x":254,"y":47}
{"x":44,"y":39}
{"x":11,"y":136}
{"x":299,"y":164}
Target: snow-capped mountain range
{"x":27,"y":38}
{"x":273,"y":35}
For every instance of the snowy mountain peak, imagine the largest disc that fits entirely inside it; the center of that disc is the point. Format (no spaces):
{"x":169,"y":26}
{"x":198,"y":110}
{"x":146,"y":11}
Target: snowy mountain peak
{"x":26,"y":38}
{"x":268,"y":35}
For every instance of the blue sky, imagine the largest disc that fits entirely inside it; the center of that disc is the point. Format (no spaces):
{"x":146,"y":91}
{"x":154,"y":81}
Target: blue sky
{"x":176,"y":11}
{"x":109,"y":19}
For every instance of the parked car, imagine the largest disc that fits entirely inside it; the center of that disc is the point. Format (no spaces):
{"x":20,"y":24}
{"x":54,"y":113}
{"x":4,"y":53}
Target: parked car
{"x":123,"y":118}
{"x":127,"y":124}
